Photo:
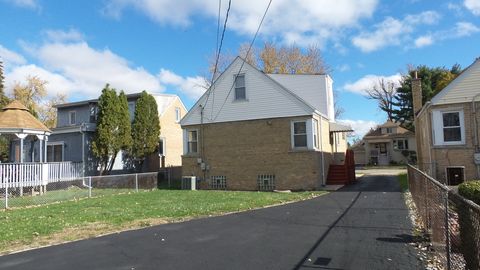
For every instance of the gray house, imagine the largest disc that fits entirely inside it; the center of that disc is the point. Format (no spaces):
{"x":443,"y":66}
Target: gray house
{"x":71,"y":140}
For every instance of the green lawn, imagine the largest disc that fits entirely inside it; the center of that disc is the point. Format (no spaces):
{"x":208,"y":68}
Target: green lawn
{"x":72,"y":193}
{"x":66,"y":221}
{"x":403,"y":180}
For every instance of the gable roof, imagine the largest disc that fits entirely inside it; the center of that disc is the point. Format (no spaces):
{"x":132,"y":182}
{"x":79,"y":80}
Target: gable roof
{"x":463,"y":88}
{"x":377,"y":131}
{"x":214,"y":99}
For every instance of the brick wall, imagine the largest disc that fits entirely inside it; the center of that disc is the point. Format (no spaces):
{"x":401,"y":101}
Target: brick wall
{"x":242,"y":150}
{"x":447,"y":156}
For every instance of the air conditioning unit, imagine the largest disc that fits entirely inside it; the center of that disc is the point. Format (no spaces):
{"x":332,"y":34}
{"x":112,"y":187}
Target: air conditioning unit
{"x":189,"y":182}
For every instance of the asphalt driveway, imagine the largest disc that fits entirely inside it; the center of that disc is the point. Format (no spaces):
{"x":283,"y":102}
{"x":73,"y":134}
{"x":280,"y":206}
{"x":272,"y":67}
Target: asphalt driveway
{"x":362,"y":226}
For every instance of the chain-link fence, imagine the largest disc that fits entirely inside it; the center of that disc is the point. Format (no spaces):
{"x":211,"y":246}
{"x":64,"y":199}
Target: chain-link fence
{"x":38,"y":193}
{"x":451,"y":221}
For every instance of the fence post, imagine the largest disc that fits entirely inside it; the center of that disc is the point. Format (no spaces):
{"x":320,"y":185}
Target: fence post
{"x":136,"y":182}
{"x":89,"y":187}
{"x":447,"y":231}
{"x":6,"y":194}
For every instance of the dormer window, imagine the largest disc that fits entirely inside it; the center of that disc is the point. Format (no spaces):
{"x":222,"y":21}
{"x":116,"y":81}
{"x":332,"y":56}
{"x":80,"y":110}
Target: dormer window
{"x":240,"y":91}
{"x":389,"y":130}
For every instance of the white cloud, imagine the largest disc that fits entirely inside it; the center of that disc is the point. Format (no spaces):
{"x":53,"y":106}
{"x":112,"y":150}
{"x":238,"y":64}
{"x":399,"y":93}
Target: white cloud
{"x":368,"y":82}
{"x":473,"y":6}
{"x":57,"y":83}
{"x":309,"y":22}
{"x":392,"y":31}
{"x":360,"y":127}
{"x":423,"y":41}
{"x":10,"y":58}
{"x":32,"y":4}
{"x":63,"y":36}
{"x":193,"y":87}
{"x":464,"y":29}
{"x":461,"y":29}
{"x":343,"y":67}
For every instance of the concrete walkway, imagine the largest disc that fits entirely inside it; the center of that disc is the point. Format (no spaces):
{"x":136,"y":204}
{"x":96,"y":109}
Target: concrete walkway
{"x":362,"y":226}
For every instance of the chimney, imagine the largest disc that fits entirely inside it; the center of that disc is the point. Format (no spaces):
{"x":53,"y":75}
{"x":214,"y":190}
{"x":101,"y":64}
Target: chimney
{"x":416,"y":94}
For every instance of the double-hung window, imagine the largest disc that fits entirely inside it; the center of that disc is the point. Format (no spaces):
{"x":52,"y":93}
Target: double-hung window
{"x":192,"y":141}
{"x":299,"y":134}
{"x":401,"y":144}
{"x":240,"y":91}
{"x":448,"y":127}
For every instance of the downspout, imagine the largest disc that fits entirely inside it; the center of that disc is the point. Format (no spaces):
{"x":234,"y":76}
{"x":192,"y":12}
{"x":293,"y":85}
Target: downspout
{"x":475,"y":126}
{"x":321,"y":151}
{"x":83,"y":148}
{"x":202,"y":155}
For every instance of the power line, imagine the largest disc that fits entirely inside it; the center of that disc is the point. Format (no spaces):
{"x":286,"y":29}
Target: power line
{"x":243,"y":62}
{"x":217,"y":56}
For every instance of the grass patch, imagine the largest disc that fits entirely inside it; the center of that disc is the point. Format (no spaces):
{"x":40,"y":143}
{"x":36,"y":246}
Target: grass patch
{"x":71,"y":193}
{"x":403,"y":180}
{"x":72,"y":220}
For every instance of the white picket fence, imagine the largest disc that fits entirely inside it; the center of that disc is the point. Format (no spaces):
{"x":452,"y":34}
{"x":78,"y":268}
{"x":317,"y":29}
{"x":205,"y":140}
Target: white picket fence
{"x":19,"y":175}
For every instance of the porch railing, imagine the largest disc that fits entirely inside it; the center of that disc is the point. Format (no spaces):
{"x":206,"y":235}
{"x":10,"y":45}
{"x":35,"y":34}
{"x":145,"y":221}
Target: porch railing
{"x":15,"y":175}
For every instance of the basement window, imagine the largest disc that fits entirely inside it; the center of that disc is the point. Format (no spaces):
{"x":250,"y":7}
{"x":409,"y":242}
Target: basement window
{"x":218,"y":182}
{"x":266,"y":182}
{"x":455,"y":175}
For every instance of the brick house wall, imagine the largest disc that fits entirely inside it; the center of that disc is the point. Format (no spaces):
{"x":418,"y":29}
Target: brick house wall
{"x":447,"y":156}
{"x":242,"y":150}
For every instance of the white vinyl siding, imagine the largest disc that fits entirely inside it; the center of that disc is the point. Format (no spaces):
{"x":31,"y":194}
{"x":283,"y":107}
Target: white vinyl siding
{"x":266,"y":99}
{"x":448,"y":127}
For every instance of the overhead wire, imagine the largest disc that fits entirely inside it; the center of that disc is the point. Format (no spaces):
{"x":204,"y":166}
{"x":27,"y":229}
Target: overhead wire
{"x":243,"y":62}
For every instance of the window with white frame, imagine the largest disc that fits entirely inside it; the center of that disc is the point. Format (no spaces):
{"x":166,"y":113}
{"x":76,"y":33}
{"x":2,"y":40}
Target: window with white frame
{"x":240,"y":91}
{"x":192,"y":141}
{"x":315,"y":133}
{"x":72,"y":117}
{"x":161,"y":147}
{"x":299,"y":134}
{"x":178,"y":114}
{"x":449,"y":127}
{"x":400,"y":144}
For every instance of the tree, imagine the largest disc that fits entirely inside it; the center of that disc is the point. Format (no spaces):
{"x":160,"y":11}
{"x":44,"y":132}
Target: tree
{"x":47,"y":113}
{"x":433,"y":81}
{"x":113,"y":128}
{"x":383,"y":93}
{"x":145,"y":129}
{"x":31,"y":93}
{"x":3,"y":98}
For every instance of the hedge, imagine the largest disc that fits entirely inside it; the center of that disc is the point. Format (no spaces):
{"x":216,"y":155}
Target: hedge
{"x":470,"y":190}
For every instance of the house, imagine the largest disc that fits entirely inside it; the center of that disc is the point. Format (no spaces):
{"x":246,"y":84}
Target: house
{"x":257,"y":131}
{"x":447,"y":128}
{"x":386,"y":144}
{"x":76,"y":124}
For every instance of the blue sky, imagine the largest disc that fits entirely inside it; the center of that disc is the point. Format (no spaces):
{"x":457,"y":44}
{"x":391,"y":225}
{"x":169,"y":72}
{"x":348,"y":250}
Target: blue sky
{"x":164,"y":45}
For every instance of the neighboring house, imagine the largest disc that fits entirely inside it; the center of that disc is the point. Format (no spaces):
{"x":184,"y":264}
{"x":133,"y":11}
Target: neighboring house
{"x":76,"y":124}
{"x":386,"y":144}
{"x":257,"y":131}
{"x":447,"y":128}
